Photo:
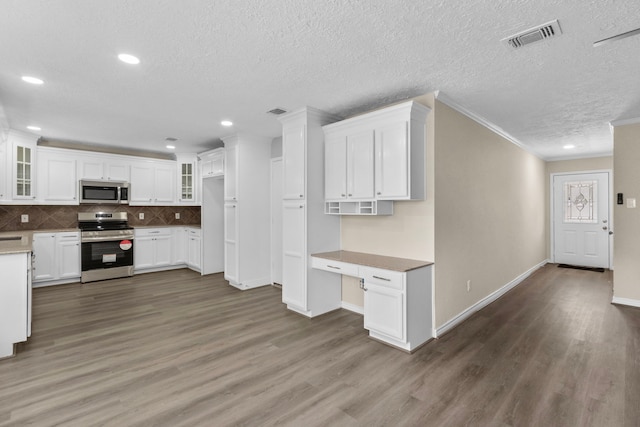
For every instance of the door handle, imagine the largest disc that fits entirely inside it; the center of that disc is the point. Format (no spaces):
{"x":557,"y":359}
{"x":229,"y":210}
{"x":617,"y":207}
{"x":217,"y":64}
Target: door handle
{"x":610,"y":233}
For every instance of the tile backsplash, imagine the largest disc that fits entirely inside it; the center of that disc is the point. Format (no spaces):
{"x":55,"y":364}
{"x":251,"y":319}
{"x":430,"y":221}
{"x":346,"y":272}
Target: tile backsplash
{"x":55,"y":217}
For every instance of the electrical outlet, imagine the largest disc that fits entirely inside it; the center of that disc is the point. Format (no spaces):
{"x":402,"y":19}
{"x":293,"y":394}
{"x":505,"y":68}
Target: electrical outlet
{"x":141,"y":215}
{"x":468,"y":285}
{"x":177,"y":215}
{"x":24,"y":218}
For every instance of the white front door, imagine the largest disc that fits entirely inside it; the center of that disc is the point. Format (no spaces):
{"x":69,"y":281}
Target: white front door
{"x":581,"y":219}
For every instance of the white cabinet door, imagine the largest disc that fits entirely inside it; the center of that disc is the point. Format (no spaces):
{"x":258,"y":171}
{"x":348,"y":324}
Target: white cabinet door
{"x":91,"y":168}
{"x":142,"y":183}
{"x":294,"y":158}
{"x":384,"y":311}
{"x":294,"y":270}
{"x":104,"y":167}
{"x":231,"y":242}
{"x":180,"y":251}
{"x":212,"y":164}
{"x":14,"y":302}
{"x":360,"y":171}
{"x":24,"y":170}
{"x":186,"y":181}
{"x":392,"y":162}
{"x":164,"y":184}
{"x":231,"y":173}
{"x":68,"y":258}
{"x":44,"y":256}
{"x":335,"y":168}
{"x":143,"y":252}
{"x":162,"y":250}
{"x":58,"y":178}
{"x":117,"y":171}
{"x":195,"y":252}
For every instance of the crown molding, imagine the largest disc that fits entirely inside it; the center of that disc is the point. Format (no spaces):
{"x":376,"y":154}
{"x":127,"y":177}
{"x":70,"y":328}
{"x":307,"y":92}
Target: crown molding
{"x":440,"y":96}
{"x":622,"y":122}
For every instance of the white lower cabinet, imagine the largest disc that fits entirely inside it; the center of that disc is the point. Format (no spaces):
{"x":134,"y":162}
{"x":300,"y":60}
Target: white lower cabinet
{"x":194,"y":249}
{"x":384,"y":302}
{"x":163,"y":248}
{"x":56,"y":257}
{"x":398,"y":305}
{"x":152,"y":248}
{"x":44,"y":256}
{"x":180,"y":249}
{"x":231,"y":242}
{"x":15,"y":301}
{"x":294,"y":265}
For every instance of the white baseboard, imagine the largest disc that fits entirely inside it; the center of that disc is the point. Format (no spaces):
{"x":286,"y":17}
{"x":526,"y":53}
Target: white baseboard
{"x":625,"y":301}
{"x":461,"y":317}
{"x":353,"y":307}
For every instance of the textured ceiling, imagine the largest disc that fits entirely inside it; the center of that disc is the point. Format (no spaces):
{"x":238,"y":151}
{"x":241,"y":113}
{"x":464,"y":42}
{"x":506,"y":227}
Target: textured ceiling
{"x":204,"y":61}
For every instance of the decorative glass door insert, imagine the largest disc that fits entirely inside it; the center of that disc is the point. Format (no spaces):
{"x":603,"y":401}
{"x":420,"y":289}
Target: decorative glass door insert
{"x":581,"y":202}
{"x":23,"y":171}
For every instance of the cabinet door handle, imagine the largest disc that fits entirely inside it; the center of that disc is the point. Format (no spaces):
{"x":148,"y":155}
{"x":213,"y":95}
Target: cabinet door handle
{"x":379,"y":193}
{"x":301,"y":206}
{"x":301,"y":195}
{"x":382,"y":278}
{"x":331,"y":266}
{"x":342,"y":195}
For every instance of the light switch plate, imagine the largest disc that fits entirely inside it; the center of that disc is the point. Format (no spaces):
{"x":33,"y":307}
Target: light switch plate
{"x":24,"y":218}
{"x":631,"y":203}
{"x":141,"y":215}
{"x":177,"y":215}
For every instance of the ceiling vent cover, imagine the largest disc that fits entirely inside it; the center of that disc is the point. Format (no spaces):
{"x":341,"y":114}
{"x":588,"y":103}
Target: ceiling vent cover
{"x":532,"y":35}
{"x":277,"y":111}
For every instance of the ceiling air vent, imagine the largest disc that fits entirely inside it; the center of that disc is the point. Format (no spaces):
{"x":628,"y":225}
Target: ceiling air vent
{"x":532,"y":35}
{"x":277,"y":111}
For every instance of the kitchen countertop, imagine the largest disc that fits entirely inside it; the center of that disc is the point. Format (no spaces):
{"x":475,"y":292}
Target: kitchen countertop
{"x":377,"y":261}
{"x":22,"y":244}
{"x":166,"y":226}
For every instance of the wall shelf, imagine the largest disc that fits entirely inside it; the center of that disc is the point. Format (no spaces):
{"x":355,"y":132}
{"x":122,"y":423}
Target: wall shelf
{"x":368,"y":207}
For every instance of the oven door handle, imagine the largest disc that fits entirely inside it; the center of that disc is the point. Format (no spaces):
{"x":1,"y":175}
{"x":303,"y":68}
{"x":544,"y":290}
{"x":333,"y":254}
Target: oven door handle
{"x":105,"y":239}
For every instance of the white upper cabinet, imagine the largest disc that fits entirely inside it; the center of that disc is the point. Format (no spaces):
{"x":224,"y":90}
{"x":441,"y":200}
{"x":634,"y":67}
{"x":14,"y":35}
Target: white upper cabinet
{"x":384,"y":155}
{"x":212,"y":163}
{"x":294,"y":142}
{"x":153,"y":183}
{"x":335,"y":167}
{"x":58,"y":179}
{"x":22,"y":162}
{"x":104,"y":167}
{"x":187,"y":178}
{"x":349,"y":166}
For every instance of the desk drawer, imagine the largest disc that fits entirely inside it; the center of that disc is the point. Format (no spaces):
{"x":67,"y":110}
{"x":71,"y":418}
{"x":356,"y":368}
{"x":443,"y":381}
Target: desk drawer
{"x":386,"y":278}
{"x":334,"y":266}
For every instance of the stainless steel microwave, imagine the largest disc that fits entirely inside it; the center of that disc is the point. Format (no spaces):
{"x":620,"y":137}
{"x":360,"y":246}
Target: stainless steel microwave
{"x":107,"y":192}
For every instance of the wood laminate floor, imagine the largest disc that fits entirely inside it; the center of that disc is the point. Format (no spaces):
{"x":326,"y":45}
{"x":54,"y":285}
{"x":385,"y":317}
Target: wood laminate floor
{"x":178,"y":349}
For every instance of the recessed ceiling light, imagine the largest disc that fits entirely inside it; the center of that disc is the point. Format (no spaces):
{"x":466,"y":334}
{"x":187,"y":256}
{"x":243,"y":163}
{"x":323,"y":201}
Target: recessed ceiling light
{"x":32,"y":80}
{"x":128,"y":59}
{"x":171,"y":147}
{"x":33,"y":128}
{"x":226,"y":123}
{"x":569,"y":147}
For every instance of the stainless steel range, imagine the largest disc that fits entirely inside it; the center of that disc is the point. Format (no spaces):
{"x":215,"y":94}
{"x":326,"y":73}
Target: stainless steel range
{"x":107,"y":245}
